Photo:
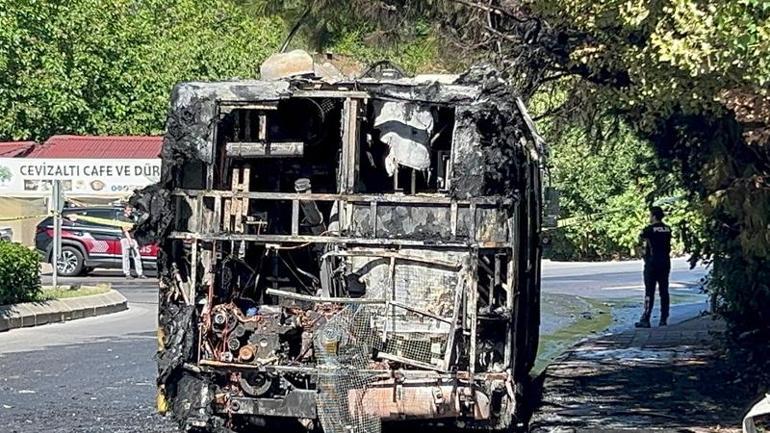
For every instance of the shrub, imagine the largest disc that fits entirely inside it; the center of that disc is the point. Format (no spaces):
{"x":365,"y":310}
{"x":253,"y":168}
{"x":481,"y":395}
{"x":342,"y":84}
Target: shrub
{"x":19,"y":273}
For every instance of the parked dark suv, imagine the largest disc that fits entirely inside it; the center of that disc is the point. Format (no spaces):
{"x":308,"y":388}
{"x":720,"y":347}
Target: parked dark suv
{"x":87,"y":245}
{"x":6,"y":234}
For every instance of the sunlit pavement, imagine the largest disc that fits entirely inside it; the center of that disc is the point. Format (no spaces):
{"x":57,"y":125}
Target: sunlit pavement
{"x":618,"y":285}
{"x":89,"y":375}
{"x":665,"y":379}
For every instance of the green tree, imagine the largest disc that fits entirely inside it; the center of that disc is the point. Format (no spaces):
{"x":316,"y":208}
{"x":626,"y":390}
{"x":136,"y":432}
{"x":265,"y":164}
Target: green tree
{"x":351,"y":29}
{"x":96,"y":67}
{"x":607,"y":183}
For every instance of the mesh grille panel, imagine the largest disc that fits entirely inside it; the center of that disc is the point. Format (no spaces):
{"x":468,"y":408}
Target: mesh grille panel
{"x":345,"y":343}
{"x":343,"y":349}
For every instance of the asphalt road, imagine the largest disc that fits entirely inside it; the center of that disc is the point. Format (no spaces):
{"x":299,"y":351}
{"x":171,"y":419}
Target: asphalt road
{"x":610,"y":280}
{"x":89,"y":375}
{"x":97,"y":374}
{"x":619,"y":286}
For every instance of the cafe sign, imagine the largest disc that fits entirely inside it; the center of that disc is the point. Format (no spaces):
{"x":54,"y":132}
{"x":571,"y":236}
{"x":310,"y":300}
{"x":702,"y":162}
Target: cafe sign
{"x":84,"y":177}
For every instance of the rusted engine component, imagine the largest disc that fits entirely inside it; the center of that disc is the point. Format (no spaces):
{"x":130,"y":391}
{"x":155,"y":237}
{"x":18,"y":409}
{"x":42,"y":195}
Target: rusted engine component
{"x":263,"y":335}
{"x":255,"y":384}
{"x":405,"y":402}
{"x":344,"y":253}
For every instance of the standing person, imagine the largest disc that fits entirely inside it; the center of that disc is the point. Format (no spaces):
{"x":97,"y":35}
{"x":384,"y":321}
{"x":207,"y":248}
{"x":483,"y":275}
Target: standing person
{"x":128,"y":245}
{"x":657,"y":266}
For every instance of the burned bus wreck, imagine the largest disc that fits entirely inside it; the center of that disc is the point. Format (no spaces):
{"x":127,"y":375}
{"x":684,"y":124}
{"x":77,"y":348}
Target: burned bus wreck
{"x":335,"y":256}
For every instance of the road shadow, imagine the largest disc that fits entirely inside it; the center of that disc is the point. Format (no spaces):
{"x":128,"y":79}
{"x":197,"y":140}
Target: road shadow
{"x":639,"y":381}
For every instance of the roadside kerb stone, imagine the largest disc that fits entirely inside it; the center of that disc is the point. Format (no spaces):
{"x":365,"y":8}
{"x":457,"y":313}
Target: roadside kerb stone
{"x":59,"y":310}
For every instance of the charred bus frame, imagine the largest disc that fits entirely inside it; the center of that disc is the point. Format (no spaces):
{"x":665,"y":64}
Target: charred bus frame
{"x":341,"y":254}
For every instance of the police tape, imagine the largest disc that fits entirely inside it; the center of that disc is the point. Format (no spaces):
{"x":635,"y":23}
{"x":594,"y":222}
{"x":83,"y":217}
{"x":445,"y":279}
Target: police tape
{"x":561,"y":223}
{"x":21,"y":218}
{"x":584,"y":219}
{"x":570,"y":221}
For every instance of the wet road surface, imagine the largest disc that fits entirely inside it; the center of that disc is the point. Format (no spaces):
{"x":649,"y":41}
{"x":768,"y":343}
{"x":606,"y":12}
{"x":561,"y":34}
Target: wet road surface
{"x":98,"y":375}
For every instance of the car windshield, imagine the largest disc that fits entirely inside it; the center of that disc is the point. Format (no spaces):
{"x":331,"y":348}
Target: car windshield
{"x":101,"y":213}
{"x":66,"y":212}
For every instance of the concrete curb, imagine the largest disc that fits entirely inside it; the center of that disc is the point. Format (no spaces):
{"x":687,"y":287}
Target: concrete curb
{"x":59,"y":310}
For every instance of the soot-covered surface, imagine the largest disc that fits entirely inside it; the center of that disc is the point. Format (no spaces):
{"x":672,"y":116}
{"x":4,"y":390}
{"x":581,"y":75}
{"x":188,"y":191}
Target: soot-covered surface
{"x":492,"y":143}
{"x":493,"y":139}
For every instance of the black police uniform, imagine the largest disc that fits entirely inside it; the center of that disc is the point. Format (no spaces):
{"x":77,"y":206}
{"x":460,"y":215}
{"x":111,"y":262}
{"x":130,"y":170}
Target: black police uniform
{"x":657,"y":266}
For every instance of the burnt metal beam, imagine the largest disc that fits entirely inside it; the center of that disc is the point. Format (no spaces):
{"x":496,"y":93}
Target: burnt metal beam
{"x":424,"y":199}
{"x":472,"y":309}
{"x":350,"y":144}
{"x":420,"y":312}
{"x":311,"y":298}
{"x":278,"y":239}
{"x":407,"y":374}
{"x":400,"y":359}
{"x":245,"y":149}
{"x":330,"y":94}
{"x":453,"y":218}
{"x":456,"y":316}
{"x":297,"y":403}
{"x":396,"y":254}
{"x":229,"y":106}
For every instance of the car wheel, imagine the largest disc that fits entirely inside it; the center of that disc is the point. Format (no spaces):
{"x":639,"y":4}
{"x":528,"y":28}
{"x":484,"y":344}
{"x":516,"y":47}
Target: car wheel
{"x":71,"y":262}
{"x":87,"y":270}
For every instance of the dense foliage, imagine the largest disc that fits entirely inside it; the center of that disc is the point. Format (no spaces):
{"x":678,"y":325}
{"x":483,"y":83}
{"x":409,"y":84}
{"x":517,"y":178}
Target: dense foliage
{"x":605,"y":190}
{"x":96,"y":67}
{"x":19,"y":273}
{"x":690,"y":76}
{"x":328,"y":27}
{"x":607,"y":178}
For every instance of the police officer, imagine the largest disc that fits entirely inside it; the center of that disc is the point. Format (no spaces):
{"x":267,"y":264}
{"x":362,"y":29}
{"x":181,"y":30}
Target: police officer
{"x":657,"y":266}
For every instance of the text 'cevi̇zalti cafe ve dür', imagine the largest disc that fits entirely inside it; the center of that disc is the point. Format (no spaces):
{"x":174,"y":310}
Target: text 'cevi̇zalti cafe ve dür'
{"x":94,"y":170}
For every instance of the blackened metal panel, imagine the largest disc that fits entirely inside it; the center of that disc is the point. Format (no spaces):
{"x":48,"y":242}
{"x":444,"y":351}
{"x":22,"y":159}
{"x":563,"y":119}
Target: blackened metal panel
{"x":296,"y":404}
{"x":413,"y":221}
{"x":467,"y":167}
{"x":409,"y":221}
{"x":491,"y":225}
{"x":193,"y":115}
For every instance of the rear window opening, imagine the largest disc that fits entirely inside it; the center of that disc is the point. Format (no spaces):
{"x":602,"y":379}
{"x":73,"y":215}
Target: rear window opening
{"x":279,"y":144}
{"x":405,"y":148}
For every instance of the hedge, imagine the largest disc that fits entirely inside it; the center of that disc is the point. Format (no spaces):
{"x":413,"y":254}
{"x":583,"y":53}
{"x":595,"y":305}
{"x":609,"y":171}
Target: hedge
{"x":19,"y":273}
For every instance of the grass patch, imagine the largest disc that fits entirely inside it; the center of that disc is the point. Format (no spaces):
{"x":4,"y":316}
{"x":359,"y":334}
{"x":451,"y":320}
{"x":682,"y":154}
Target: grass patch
{"x":49,"y":293}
